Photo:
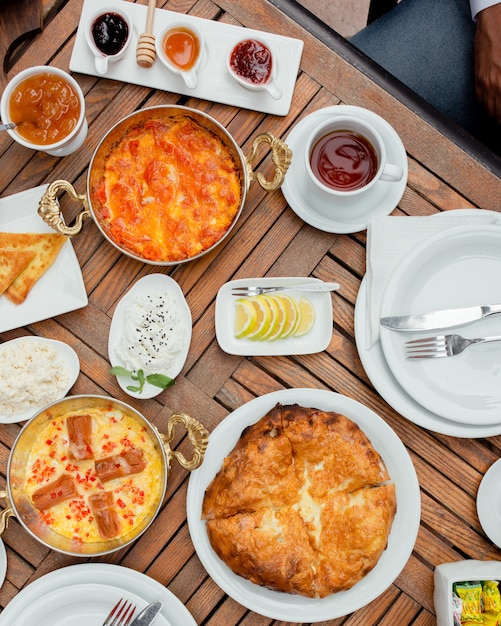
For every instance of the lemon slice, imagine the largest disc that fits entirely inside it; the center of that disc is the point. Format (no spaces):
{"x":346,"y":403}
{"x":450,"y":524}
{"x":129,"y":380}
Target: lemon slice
{"x":306,"y":317}
{"x":273,"y":317}
{"x":263,"y":315}
{"x":291,"y":314}
{"x":280,"y":319}
{"x":245,"y":318}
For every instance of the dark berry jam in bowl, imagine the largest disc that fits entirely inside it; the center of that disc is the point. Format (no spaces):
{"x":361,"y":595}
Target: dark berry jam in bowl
{"x":346,"y":155}
{"x":252,"y":64}
{"x":108,"y":34}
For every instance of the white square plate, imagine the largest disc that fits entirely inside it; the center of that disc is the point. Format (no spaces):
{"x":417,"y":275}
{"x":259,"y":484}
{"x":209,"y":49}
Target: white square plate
{"x":316,"y":340}
{"x":61,"y":288}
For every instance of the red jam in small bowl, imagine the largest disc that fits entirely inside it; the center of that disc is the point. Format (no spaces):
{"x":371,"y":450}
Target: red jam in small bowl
{"x":251,"y":60}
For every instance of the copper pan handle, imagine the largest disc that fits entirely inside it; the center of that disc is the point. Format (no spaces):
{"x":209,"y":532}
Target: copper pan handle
{"x":50,"y":210}
{"x":6,"y":513}
{"x":197,"y":434}
{"x":281,"y":155}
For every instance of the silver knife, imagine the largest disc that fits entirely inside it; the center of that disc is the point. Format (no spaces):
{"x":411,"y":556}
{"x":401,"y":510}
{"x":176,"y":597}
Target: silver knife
{"x":147,"y":615}
{"x":436,"y":320}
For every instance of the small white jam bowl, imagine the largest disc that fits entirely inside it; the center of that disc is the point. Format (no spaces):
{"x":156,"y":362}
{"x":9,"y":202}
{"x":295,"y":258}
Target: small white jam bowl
{"x":190,"y":76}
{"x":270,"y":86}
{"x":101,"y":59}
{"x":65,"y":146}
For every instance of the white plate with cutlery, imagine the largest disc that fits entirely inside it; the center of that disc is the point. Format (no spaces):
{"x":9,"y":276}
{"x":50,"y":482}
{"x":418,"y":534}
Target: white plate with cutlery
{"x":84,"y":594}
{"x":455,"y":268}
{"x":315,"y":340}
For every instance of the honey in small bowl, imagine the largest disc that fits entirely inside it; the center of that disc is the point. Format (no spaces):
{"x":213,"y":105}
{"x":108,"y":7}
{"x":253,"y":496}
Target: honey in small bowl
{"x":181,"y":47}
{"x":46,"y":108}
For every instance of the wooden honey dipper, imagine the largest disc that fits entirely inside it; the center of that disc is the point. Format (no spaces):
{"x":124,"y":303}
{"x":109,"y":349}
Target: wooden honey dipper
{"x":145,"y":50}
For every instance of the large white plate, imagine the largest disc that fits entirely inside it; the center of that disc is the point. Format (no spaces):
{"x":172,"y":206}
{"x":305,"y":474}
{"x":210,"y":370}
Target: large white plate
{"x":61,"y":288}
{"x":341,"y":215}
{"x":66,"y":354}
{"x":91,"y":590}
{"x":214,"y":81}
{"x":315,"y":340}
{"x":489,"y":503}
{"x":287,"y":607}
{"x":147,"y":284}
{"x":79,"y":605}
{"x":454,"y":268}
{"x":386,"y":384}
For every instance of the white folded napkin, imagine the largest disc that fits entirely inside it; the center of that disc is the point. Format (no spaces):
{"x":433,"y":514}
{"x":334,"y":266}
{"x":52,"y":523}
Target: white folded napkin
{"x":390,"y":239}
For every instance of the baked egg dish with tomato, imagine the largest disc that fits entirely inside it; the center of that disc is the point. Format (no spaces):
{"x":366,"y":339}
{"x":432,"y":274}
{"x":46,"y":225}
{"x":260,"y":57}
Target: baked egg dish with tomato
{"x":167,"y":190}
{"x":92,"y":475}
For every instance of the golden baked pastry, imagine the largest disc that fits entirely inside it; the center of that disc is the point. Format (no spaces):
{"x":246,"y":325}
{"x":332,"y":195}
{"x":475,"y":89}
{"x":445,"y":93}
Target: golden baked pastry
{"x":303,"y":503}
{"x":12,"y":263}
{"x":44,"y":248}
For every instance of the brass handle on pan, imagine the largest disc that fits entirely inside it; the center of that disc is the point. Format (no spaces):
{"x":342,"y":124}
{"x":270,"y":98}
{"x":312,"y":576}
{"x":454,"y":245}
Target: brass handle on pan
{"x":197,"y":434}
{"x":50,"y":210}
{"x":6,"y":513}
{"x":281,"y":156}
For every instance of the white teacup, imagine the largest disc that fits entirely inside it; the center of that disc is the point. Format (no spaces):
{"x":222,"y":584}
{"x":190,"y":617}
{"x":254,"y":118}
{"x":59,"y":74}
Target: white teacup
{"x":269,"y":85}
{"x":346,"y":156}
{"x":113,"y":20}
{"x":191,"y":36}
{"x":69,"y":142}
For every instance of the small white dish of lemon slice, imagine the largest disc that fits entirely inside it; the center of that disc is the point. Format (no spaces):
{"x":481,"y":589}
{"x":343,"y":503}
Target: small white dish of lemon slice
{"x":282,"y":323}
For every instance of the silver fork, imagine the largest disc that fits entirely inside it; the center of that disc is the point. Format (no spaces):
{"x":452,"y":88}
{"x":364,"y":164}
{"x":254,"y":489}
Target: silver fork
{"x":121,"y":614}
{"x":443,"y":345}
{"x":257,"y":291}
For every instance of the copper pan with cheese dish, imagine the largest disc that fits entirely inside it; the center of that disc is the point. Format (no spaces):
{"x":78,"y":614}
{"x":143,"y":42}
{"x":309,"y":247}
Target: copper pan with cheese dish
{"x":166,"y":184}
{"x":87,"y":475}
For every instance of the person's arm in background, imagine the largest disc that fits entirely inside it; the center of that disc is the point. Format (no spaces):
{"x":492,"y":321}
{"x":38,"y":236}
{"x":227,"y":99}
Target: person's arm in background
{"x":488,"y":54}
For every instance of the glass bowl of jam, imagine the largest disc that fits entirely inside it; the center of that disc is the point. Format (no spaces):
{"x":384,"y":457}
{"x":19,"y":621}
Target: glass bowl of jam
{"x":48,"y":107}
{"x":108,"y":34}
{"x":252,"y":64}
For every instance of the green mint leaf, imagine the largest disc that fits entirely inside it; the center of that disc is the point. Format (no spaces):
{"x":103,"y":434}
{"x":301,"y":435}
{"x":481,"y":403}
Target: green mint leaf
{"x":118,"y":370}
{"x":160,"y":380}
{"x":132,"y":388}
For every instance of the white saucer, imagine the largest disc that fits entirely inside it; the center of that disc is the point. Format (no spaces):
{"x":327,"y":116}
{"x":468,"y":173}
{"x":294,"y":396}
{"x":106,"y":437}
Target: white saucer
{"x":350,"y":215}
{"x":489,"y":503}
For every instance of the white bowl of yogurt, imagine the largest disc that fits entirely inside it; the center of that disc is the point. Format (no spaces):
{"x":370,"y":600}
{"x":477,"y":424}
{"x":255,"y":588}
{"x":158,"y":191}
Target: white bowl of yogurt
{"x":150,"y":332}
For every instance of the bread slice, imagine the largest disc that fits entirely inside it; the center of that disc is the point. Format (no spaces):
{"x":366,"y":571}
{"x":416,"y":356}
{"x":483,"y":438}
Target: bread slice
{"x":12,"y":263}
{"x":44,"y":246}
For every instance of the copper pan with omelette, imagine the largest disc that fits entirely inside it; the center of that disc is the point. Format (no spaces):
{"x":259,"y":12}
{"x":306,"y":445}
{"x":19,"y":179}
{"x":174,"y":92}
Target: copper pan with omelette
{"x":87,"y":475}
{"x":166,"y":184}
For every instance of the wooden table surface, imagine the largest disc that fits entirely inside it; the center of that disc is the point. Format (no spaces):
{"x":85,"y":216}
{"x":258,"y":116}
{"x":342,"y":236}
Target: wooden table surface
{"x":269,"y":240}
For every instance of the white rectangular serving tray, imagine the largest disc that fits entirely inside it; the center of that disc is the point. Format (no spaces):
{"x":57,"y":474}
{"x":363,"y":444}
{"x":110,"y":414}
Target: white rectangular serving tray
{"x":214,"y":81}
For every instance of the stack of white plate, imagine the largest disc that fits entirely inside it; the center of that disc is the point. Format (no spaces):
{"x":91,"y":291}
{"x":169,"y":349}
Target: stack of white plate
{"x":461,"y":395}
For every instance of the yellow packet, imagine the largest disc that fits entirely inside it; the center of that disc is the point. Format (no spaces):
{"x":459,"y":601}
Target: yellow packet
{"x":492,"y":602}
{"x":471,"y":595}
